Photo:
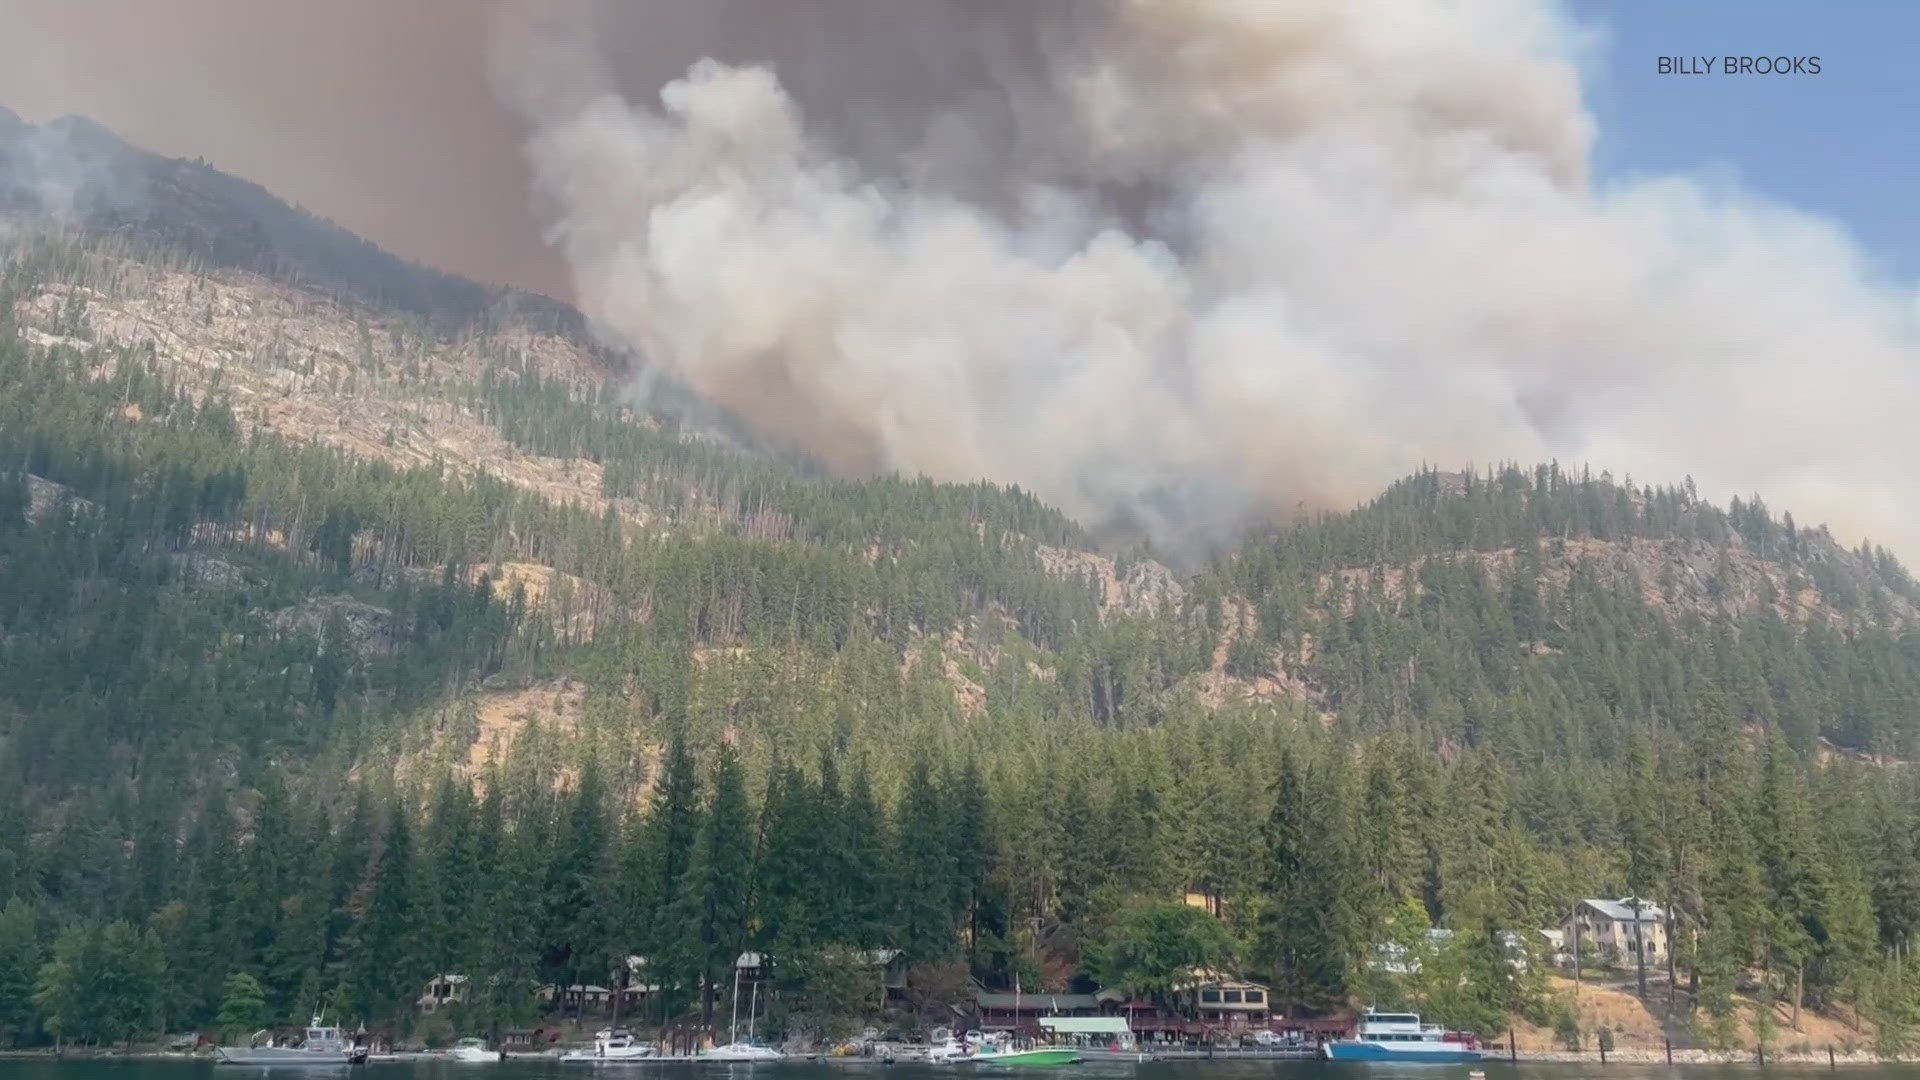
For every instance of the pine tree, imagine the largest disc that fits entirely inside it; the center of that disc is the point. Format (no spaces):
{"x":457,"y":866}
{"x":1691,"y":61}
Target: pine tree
{"x":1300,"y":939}
{"x":1639,"y":835}
{"x":574,"y":937}
{"x":715,"y":897}
{"x":925,"y":870}
{"x":243,"y":1006}
{"x":386,"y":969}
{"x":20,"y":958}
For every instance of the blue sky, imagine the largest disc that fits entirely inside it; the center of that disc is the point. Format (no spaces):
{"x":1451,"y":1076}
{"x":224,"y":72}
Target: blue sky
{"x":1844,"y":144}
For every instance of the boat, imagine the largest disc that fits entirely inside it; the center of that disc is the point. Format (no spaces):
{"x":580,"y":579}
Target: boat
{"x":997,"y":1051}
{"x":474,"y":1051}
{"x":740,"y":1051}
{"x":1033,"y":1057}
{"x":610,"y":1045}
{"x":322,"y":1045}
{"x":948,"y":1051}
{"x":1401,"y":1037}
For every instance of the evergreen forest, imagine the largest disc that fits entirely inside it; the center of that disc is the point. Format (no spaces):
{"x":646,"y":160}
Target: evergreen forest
{"x":254,"y":761}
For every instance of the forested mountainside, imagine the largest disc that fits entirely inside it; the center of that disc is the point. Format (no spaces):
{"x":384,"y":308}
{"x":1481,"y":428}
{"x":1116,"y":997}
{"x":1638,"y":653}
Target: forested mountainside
{"x":342,"y":645}
{"x":91,"y":178}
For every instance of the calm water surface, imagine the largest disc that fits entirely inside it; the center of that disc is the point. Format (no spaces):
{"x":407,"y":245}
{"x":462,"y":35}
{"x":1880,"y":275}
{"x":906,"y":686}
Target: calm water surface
{"x":548,"y":1069}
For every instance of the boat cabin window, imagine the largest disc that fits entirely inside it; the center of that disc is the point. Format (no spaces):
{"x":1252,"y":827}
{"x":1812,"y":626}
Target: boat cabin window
{"x":1394,"y":1018}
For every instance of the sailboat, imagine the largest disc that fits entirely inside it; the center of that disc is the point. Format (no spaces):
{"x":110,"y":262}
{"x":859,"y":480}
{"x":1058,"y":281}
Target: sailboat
{"x":737,"y":1050}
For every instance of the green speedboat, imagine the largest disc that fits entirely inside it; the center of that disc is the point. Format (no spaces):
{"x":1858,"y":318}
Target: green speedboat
{"x":1038,"y":1057}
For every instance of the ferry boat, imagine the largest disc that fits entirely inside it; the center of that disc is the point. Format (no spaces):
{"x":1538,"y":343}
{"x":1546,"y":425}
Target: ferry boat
{"x":323,"y":1045}
{"x":1401,"y":1037}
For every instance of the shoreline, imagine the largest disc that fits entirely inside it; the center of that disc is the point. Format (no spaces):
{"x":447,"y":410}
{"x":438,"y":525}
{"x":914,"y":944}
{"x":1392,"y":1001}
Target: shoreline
{"x":1635,"y":1056}
{"x":1696,"y":1056}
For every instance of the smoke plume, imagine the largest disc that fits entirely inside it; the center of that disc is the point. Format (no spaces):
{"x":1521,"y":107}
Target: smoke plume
{"x":1194,"y":263}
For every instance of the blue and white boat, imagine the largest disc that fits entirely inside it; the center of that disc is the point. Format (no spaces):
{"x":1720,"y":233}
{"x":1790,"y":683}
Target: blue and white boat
{"x":1401,"y":1037}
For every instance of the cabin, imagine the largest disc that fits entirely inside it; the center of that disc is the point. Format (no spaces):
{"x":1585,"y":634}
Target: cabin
{"x":1233,"y":1005}
{"x":1616,"y":930}
{"x":892,"y":965}
{"x":577,"y":997}
{"x":443,"y":991}
{"x":1023,"y":1012}
{"x":588,"y":998}
{"x":1214,"y":1005}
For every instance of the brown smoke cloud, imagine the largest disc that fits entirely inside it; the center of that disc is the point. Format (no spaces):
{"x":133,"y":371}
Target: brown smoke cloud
{"x":1179,"y":263}
{"x":1238,"y":256}
{"x":375,"y":114}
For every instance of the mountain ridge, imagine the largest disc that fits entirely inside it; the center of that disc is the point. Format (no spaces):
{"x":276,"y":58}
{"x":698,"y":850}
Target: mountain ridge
{"x":547,"y":679}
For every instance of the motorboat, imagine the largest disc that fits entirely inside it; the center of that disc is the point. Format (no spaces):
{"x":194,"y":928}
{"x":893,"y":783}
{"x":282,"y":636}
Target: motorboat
{"x":999,"y":1049}
{"x":612,"y":1044}
{"x":474,"y":1051}
{"x":321,"y":1045}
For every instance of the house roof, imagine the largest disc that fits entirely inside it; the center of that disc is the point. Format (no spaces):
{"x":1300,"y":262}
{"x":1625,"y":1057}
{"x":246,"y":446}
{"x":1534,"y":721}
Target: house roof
{"x":1229,"y":984}
{"x":1621,"y":910}
{"x":1085,"y":1025}
{"x":1040,"y":1002}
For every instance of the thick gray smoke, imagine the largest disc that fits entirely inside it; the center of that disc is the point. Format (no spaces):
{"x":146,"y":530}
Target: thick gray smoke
{"x":1247,"y":256}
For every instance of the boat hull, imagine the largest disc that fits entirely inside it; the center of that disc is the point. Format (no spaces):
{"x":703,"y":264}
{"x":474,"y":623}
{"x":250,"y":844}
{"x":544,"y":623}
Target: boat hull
{"x":740,"y":1056}
{"x":1030,"y":1059}
{"x":273,"y":1055}
{"x":1365,"y":1051}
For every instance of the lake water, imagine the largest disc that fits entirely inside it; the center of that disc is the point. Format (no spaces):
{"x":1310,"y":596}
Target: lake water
{"x":549,"y":1069}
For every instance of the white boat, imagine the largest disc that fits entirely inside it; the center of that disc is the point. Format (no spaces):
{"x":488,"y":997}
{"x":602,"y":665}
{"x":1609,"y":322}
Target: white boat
{"x":740,"y":1051}
{"x":1401,"y":1037}
{"x":949,"y":1051}
{"x":322,"y":1045}
{"x":474,"y":1051}
{"x":612,"y":1044}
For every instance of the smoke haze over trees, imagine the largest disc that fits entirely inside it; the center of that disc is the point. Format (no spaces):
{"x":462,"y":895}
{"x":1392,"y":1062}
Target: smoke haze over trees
{"x":1176,"y":267}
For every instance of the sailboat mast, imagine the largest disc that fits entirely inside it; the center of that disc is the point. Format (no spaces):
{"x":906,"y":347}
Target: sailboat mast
{"x":1016,"y":1008}
{"x":733,"y":1027}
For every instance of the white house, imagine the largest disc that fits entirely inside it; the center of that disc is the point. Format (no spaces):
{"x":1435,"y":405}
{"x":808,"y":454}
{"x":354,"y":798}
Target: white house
{"x":1616,"y":930}
{"x":442,"y":991}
